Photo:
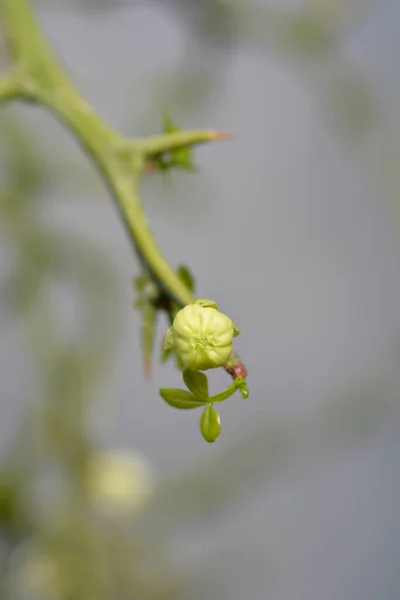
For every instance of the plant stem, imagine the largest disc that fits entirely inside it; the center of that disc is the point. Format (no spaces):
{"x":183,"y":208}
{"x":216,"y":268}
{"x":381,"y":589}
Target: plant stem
{"x":37,"y":76}
{"x":46,"y":83}
{"x":10,"y":88}
{"x":225,"y":394}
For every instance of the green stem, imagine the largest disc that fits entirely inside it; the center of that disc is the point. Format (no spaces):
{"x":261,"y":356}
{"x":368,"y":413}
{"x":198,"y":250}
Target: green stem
{"x":225,"y":394}
{"x":26,"y":42}
{"x":46,"y":83}
{"x":120,"y":160}
{"x":10,"y":88}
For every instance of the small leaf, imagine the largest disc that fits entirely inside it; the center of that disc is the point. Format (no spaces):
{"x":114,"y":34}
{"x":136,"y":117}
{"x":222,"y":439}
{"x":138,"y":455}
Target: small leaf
{"x":140,"y":283}
{"x":180,"y":399}
{"x":168,"y":125}
{"x":197,"y":383}
{"x":206,"y":303}
{"x":168,"y":341}
{"x":165,"y":354}
{"x":183,"y":159}
{"x":186,"y":277}
{"x":236,"y":330}
{"x":179,"y":363}
{"x":210,"y":424}
{"x":180,"y":157}
{"x":169,"y":353}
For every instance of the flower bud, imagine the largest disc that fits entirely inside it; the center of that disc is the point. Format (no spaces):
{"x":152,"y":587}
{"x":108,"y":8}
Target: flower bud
{"x":201,"y":336}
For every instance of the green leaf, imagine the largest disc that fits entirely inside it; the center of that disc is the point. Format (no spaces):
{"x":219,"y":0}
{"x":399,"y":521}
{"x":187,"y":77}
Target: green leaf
{"x":168,"y":125}
{"x":179,"y":363}
{"x":140,"y":283}
{"x":165,"y":353}
{"x":169,"y":340}
{"x":180,"y":157}
{"x":180,"y":399}
{"x":210,"y":425}
{"x":183,"y":158}
{"x":186,"y":277}
{"x":197,"y":383}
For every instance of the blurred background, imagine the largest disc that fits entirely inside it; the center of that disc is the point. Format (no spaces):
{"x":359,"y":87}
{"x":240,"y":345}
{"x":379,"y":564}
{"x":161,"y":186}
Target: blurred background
{"x":293,"y":227}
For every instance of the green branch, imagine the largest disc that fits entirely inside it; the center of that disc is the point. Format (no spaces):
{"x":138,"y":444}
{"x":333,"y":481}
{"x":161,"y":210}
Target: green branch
{"x":37,"y":76}
{"x":10,"y":86}
{"x":44,"y":81}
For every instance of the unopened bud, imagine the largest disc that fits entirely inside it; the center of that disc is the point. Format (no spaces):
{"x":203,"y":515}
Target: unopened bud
{"x":201,"y":336}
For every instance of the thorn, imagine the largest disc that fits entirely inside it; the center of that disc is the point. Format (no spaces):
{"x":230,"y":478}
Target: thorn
{"x":222,"y":135}
{"x":147,"y":368}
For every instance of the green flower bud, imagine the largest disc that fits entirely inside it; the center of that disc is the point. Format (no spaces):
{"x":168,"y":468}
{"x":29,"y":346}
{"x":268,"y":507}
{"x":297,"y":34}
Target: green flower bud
{"x":201,"y":336}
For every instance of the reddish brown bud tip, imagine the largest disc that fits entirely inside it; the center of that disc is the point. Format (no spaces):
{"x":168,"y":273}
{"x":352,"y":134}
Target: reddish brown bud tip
{"x":237,"y":371}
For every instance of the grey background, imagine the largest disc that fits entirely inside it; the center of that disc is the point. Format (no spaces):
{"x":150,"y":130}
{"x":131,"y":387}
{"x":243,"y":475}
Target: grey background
{"x":288,"y":230}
